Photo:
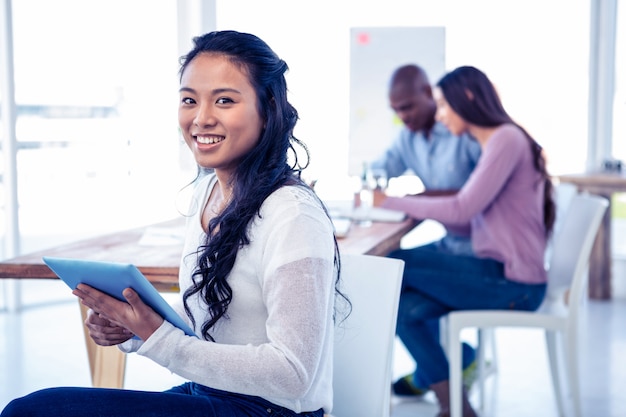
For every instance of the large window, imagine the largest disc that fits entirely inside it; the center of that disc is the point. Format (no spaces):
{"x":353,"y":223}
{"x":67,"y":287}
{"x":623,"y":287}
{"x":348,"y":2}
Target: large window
{"x":96,"y":96}
{"x":619,"y":107}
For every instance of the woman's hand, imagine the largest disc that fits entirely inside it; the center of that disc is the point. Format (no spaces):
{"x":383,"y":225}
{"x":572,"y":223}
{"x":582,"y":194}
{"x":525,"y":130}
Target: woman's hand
{"x":104,"y":332}
{"x":116,"y":321}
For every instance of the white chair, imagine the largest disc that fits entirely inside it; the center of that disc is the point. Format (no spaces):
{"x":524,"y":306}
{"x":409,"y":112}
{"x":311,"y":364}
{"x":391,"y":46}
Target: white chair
{"x":364,"y":342}
{"x":486,"y":355}
{"x":560,"y":311}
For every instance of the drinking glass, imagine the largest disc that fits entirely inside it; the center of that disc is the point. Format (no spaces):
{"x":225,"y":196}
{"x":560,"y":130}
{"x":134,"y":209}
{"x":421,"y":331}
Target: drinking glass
{"x":379,"y":179}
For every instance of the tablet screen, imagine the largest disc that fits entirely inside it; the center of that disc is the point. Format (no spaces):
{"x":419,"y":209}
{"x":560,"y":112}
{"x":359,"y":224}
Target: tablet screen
{"x":112,"y":278}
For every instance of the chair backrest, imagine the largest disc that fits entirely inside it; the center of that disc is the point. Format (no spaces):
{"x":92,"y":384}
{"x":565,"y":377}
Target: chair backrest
{"x":364,"y":342}
{"x":563,"y":194}
{"x":572,"y":245}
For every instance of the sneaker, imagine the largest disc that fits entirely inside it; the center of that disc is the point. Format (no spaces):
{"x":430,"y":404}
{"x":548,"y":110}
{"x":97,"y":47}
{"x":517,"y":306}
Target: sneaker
{"x":404,"y":387}
{"x":470,"y":374}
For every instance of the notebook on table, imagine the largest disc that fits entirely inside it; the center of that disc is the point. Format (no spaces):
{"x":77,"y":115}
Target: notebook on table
{"x":346,"y":210}
{"x":112,"y":278}
{"x":377,"y":214}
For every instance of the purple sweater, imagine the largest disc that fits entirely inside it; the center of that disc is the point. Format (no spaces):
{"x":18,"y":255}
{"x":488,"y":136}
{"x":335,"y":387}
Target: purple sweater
{"x":503,"y":201}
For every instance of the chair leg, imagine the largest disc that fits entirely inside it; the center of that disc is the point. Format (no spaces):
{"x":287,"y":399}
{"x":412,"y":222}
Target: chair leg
{"x":486,"y":341}
{"x":443,"y":332}
{"x":455,"y":364}
{"x":553,"y":358}
{"x":493,"y":354}
{"x":485,"y":337}
{"x":571,"y":339}
{"x":480,"y":351}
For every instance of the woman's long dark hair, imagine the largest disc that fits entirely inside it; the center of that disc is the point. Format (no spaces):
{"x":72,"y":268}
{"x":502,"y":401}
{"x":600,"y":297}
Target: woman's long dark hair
{"x":261,"y":172}
{"x":473,"y":97}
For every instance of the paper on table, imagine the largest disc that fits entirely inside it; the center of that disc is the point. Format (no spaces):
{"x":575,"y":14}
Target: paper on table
{"x":345,"y":209}
{"x":376,"y":214}
{"x":162,"y":236}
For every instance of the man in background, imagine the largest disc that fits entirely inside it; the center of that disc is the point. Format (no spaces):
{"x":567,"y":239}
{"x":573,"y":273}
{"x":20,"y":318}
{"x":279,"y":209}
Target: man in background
{"x":425,"y":147}
{"x":443,"y":162}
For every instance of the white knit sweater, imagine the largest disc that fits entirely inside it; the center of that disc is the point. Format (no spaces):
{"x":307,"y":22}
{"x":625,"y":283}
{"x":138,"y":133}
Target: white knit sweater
{"x":277,"y":339}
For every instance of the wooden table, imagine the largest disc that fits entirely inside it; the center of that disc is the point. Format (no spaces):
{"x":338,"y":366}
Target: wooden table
{"x":604,"y":184}
{"x":159,"y":263}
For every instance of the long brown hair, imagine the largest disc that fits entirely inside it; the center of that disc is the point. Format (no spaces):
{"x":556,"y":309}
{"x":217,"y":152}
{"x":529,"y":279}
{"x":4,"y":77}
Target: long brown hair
{"x":484,"y":108}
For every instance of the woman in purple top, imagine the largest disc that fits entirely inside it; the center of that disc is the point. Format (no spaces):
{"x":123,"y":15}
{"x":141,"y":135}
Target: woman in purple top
{"x":508,"y":202}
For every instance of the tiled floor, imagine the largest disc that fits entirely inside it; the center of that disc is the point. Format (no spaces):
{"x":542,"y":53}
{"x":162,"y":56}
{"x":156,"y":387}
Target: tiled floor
{"x":522,"y":386}
{"x":43,"y":346}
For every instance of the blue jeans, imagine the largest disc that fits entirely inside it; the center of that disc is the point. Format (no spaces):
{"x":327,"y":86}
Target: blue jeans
{"x":468,"y":355}
{"x":187,"y":400}
{"x":435,"y":283}
{"x":453,"y":245}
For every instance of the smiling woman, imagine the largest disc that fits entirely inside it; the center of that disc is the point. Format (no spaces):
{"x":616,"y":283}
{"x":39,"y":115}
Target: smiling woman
{"x":218,"y":114}
{"x":260,"y":269}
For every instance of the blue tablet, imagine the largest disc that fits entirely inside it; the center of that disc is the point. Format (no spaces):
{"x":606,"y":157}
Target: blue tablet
{"x":112,"y":278}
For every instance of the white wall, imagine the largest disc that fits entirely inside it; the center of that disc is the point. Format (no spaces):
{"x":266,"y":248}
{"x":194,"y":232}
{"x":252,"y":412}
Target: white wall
{"x":535,"y":51}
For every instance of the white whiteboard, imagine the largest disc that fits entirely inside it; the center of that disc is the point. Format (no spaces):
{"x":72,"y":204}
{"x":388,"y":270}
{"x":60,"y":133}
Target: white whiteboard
{"x":375,"y":52}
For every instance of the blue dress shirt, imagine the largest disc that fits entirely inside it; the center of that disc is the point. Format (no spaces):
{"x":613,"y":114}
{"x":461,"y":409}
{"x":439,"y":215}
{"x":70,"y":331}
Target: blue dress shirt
{"x":442,"y":162}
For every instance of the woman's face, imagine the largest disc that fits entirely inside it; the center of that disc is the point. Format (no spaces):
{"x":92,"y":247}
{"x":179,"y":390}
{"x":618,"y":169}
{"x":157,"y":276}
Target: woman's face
{"x":218,"y":113}
{"x":446,"y":115}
